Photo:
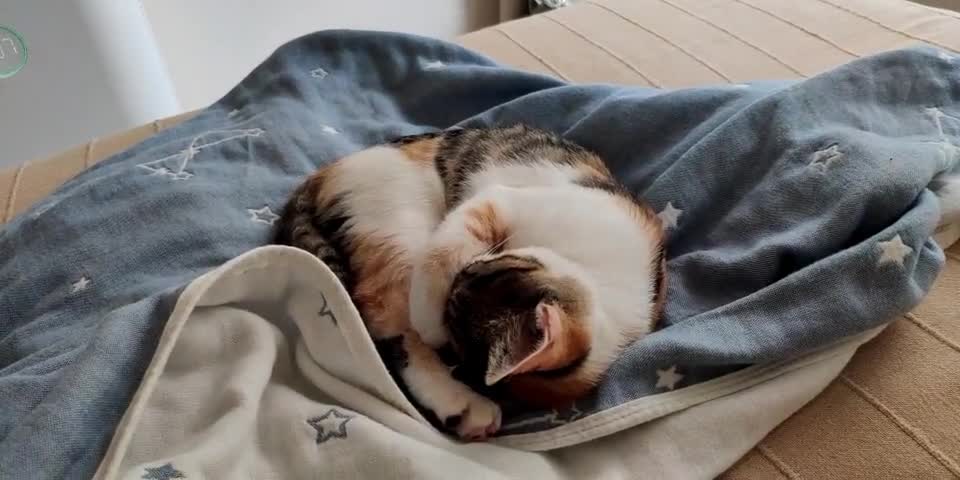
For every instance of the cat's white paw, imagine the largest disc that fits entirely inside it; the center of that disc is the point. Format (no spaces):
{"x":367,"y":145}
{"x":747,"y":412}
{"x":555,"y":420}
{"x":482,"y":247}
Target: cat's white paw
{"x":431,"y":330}
{"x":479,"y":418}
{"x":471,"y":415}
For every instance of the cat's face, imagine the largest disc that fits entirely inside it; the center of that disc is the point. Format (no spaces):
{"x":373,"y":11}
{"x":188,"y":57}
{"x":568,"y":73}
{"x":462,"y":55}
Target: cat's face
{"x":528,"y":318}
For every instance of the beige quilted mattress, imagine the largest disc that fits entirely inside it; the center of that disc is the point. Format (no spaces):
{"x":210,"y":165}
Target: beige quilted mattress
{"x":895,"y":410}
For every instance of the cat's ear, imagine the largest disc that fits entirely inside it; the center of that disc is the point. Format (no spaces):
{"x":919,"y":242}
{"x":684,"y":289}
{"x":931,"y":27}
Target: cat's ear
{"x":515,"y":354}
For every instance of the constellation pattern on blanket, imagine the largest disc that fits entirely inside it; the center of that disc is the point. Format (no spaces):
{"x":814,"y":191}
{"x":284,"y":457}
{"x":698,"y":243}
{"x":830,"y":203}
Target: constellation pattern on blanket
{"x":949,"y":151}
{"x":180,"y":160}
{"x":938,"y":115}
{"x":332,"y":424}
{"x":318,"y":73}
{"x":163,"y":472}
{"x":552,"y":419}
{"x":325,"y":311}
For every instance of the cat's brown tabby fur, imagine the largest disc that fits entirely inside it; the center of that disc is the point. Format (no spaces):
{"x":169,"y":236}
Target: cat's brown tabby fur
{"x":515,"y":247}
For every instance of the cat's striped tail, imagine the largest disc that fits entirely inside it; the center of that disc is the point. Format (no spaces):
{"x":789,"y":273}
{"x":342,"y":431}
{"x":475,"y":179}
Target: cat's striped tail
{"x":301,"y":225}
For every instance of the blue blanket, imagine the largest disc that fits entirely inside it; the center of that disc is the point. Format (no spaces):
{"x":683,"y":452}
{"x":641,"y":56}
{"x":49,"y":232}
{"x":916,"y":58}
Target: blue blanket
{"x":798,"y":215}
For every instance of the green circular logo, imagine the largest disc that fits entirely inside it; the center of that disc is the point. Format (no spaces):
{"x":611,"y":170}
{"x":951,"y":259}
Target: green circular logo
{"x":13,"y":52}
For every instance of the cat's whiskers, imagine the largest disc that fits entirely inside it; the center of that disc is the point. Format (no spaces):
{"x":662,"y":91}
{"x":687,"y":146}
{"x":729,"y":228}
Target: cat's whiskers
{"x":373,"y":236}
{"x":497,"y":246}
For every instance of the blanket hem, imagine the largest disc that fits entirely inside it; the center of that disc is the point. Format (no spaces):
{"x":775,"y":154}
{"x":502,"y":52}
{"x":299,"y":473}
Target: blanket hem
{"x":642,"y":410}
{"x":590,"y":428}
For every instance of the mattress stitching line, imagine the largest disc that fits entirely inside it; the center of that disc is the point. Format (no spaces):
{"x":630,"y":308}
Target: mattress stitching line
{"x":933,"y":332}
{"x":885,"y":26}
{"x":12,"y":198}
{"x":673,"y":44}
{"x":540,"y":59}
{"x":735,"y":36}
{"x":799,"y":27}
{"x":777,"y":462}
{"x":606,"y":50}
{"x":903,"y":425}
{"x":88,"y":153}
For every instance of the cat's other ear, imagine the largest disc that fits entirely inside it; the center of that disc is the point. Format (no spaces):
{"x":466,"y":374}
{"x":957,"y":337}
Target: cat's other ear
{"x":518,"y":350}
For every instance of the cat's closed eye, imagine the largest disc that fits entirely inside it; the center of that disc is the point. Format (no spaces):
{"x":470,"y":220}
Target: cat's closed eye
{"x":514,"y":246}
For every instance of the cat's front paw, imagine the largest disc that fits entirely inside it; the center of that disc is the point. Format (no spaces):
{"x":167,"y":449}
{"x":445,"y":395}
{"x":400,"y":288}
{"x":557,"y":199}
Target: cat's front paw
{"x":429,"y":326}
{"x":478,"y":419}
{"x":426,"y":308}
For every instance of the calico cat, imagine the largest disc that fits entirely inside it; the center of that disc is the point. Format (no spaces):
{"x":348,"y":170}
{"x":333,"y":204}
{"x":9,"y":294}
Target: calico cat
{"x":513,"y":246}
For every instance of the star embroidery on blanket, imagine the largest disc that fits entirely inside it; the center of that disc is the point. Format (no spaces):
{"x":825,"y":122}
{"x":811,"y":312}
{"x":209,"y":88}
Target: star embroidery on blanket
{"x":325,"y":311}
{"x":434,"y":65}
{"x":163,"y":472}
{"x":329,"y":129}
{"x":893,"y":251}
{"x":668,"y":378}
{"x":332,"y":424}
{"x":670,"y":215}
{"x":79,"y":285}
{"x":822,"y":159}
{"x":318,"y":73}
{"x":552,"y":419}
{"x":568,"y":416}
{"x":263,"y":215}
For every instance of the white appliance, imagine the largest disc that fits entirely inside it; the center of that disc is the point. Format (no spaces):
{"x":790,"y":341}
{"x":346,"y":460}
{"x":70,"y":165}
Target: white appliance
{"x":93,"y":68}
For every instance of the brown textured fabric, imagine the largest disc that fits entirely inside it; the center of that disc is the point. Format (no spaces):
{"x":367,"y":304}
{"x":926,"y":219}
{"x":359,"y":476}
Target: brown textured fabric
{"x":895,"y":410}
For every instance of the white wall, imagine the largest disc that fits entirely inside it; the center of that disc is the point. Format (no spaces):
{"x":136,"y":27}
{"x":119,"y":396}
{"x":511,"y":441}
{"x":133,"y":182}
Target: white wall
{"x":210,"y":45}
{"x":92,"y":69}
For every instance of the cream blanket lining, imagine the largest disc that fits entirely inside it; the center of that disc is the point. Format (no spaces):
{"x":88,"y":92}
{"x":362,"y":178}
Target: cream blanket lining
{"x":253,"y":377}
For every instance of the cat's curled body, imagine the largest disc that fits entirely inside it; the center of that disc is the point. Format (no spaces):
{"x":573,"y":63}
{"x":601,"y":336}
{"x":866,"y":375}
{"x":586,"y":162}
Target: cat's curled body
{"x":514,"y":246}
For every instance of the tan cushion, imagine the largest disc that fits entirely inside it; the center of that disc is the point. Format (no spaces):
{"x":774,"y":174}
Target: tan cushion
{"x":895,"y":410}
{"x":24,"y":185}
{"x":676,"y":43}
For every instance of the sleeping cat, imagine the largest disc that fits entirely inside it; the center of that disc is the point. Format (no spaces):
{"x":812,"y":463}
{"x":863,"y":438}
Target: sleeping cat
{"x":514,"y":247}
